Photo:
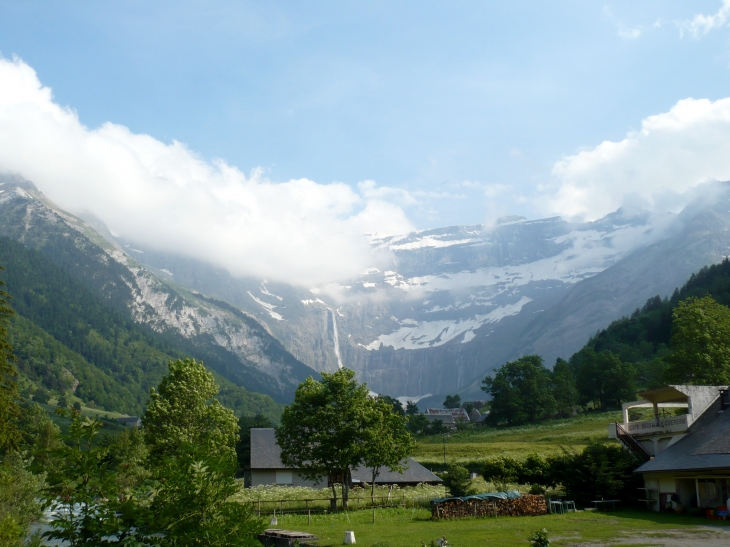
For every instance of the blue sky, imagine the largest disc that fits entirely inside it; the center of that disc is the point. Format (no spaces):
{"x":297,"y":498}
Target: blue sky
{"x":465,"y":108}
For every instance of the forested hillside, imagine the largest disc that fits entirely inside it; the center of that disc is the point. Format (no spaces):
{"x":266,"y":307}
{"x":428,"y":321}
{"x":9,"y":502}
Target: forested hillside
{"x":68,"y":340}
{"x":645,"y":335}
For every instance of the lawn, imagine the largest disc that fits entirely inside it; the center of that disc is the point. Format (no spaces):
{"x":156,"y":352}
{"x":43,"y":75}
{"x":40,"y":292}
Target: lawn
{"x":473,"y":446}
{"x":412,"y":527}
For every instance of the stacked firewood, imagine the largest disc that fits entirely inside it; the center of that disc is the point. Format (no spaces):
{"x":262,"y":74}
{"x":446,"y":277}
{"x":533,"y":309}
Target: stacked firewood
{"x":526,"y":505}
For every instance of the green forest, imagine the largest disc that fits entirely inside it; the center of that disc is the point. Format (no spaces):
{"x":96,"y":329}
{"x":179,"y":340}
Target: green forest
{"x":69,"y":342}
{"x":683,"y":339}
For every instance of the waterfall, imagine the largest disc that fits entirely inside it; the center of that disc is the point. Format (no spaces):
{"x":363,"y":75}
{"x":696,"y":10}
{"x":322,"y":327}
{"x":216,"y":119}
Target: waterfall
{"x":337,"y":338}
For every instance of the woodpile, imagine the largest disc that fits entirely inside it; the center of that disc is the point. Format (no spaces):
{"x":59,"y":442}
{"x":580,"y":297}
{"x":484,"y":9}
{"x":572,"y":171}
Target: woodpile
{"x":527,"y":505}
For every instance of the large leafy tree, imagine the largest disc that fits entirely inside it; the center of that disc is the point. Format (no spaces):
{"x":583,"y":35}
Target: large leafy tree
{"x":701,"y":343}
{"x":10,"y":435}
{"x":520,"y":392}
{"x":325,"y":431}
{"x":192,"y":443}
{"x":183,"y":415}
{"x":84,"y":492}
{"x":389,"y":442}
{"x":452,"y":401}
{"x":603,"y":378}
{"x":564,"y":388}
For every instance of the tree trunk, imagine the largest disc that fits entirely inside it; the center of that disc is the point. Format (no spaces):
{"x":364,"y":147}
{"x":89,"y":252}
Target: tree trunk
{"x":345,"y":487}
{"x":333,"y":501}
{"x":376,"y":472}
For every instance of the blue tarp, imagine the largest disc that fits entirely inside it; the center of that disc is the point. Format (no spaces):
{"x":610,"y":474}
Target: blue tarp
{"x":511,"y":495}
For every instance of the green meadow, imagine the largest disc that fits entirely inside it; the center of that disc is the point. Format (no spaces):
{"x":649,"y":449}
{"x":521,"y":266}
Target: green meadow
{"x":471,"y":446}
{"x":414,"y":527}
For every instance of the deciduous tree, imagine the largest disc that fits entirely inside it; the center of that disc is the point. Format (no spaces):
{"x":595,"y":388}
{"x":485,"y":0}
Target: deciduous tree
{"x":325,"y":431}
{"x":182,"y":413}
{"x":520,"y":392}
{"x":389,"y":442}
{"x":452,"y":401}
{"x":701,"y":343}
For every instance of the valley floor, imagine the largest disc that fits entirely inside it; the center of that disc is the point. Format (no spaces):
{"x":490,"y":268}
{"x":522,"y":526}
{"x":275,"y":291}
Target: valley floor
{"x":472,"y":446}
{"x":413,"y":528}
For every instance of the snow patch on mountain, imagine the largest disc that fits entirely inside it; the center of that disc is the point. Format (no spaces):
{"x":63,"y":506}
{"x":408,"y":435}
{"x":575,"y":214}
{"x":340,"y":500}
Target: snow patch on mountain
{"x":268,"y":307}
{"x":428,"y":334}
{"x":433,"y":242}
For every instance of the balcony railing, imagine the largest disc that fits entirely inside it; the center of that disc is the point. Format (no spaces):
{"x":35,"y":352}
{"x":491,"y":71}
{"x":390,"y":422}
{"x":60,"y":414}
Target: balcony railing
{"x":674,"y":424}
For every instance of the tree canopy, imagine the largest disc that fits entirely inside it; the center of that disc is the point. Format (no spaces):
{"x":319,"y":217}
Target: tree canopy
{"x":452,"y":401}
{"x":328,"y":430}
{"x":182,"y":413}
{"x":520,"y":391}
{"x":603,"y":379}
{"x":701,"y":343}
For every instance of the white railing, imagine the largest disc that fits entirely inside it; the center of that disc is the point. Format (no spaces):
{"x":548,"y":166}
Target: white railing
{"x":675,"y":424}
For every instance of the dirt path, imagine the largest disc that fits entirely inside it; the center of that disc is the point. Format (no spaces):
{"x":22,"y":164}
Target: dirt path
{"x":701,"y":536}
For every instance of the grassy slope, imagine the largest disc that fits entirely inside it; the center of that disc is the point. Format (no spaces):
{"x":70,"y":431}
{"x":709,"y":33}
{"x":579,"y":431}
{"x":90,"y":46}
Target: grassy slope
{"x":471,"y":447}
{"x":411,"y":527}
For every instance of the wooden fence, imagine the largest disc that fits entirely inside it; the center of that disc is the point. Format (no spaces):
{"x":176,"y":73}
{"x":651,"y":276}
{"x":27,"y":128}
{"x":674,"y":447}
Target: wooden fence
{"x":321,"y":505}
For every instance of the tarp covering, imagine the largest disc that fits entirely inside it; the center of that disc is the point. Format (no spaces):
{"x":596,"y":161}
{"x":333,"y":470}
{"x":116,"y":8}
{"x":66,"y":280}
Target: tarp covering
{"x":511,"y":495}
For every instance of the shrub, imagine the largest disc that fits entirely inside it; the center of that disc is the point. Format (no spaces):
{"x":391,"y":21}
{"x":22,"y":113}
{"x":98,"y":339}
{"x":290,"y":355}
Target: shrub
{"x":457,"y":480}
{"x":539,"y":538}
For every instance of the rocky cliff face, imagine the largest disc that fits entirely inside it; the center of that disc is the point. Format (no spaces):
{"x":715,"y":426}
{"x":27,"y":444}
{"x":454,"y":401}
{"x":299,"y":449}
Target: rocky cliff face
{"x":454,"y":303}
{"x":235,"y":343}
{"x":457,"y":302}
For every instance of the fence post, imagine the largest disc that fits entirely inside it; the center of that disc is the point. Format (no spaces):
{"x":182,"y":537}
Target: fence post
{"x":259,"y":502}
{"x":309,"y":517}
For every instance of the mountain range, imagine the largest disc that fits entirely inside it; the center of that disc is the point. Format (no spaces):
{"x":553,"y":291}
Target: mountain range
{"x":453,"y":304}
{"x":457,"y":302}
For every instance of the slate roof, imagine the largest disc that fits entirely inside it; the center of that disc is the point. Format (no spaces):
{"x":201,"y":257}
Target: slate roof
{"x":706,"y":445}
{"x":266,"y":454}
{"x":414,"y":474}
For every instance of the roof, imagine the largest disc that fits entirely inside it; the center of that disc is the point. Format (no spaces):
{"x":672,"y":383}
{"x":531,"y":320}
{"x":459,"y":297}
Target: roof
{"x":415,"y":473}
{"x":705,"y":446}
{"x":457,"y":413}
{"x":266,"y":454}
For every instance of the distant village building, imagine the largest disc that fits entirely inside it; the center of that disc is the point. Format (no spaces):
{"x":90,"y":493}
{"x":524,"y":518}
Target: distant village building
{"x":687,"y":442}
{"x":268,"y":469}
{"x":130,"y":421}
{"x":447,"y":420}
{"x":457,"y":413}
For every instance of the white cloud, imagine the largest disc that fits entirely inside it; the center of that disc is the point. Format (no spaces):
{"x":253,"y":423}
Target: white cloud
{"x":624,"y":32}
{"x":628,"y":33}
{"x":702,"y":24}
{"x":672,"y":154}
{"x":167,"y":197}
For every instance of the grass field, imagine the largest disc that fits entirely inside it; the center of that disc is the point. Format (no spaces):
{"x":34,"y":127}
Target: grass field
{"x":473,"y":446}
{"x":413,"y":527}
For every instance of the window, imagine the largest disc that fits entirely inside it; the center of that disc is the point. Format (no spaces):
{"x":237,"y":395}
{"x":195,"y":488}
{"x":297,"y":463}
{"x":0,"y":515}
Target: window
{"x":284,"y":477}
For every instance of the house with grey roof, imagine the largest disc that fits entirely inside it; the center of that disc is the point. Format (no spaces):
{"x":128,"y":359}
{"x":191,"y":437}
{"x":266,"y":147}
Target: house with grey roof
{"x":268,"y":469}
{"x":688,"y":453}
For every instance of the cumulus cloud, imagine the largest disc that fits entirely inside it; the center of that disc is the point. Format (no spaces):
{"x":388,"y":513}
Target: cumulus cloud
{"x":658,"y":166}
{"x":702,"y":24}
{"x":167,"y":197}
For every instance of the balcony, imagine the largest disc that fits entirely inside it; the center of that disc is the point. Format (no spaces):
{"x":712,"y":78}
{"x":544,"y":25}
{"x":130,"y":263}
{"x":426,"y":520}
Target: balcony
{"x":673,"y":424}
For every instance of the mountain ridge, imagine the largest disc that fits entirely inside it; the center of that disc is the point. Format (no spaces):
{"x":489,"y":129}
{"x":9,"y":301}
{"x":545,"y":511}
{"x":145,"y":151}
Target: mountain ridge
{"x":237,"y":346}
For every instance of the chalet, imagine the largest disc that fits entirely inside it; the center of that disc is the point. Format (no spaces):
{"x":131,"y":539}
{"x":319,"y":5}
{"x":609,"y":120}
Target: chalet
{"x":268,"y":469}
{"x":686,"y":443}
